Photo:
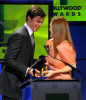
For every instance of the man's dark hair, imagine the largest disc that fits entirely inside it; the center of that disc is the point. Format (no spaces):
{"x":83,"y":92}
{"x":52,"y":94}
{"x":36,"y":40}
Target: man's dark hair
{"x":34,"y":11}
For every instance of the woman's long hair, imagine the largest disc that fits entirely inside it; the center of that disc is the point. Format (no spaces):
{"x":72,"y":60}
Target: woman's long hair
{"x":60,"y":31}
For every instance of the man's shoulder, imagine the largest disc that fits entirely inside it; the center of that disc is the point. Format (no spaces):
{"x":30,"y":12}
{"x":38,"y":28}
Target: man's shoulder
{"x":20,"y":32}
{"x":20,"y":29}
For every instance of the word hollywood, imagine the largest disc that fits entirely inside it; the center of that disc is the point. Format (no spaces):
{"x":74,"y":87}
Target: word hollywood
{"x":68,"y":10}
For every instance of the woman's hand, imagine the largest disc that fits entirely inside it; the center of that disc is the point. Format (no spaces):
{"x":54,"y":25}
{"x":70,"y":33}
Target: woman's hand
{"x":49,"y":73}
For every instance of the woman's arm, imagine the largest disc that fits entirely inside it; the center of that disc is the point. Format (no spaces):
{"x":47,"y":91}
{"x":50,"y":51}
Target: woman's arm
{"x":66,"y":69}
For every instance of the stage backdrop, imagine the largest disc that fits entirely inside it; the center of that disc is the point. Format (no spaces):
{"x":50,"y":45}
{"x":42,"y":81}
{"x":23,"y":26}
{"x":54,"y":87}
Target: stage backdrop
{"x":13,"y":17}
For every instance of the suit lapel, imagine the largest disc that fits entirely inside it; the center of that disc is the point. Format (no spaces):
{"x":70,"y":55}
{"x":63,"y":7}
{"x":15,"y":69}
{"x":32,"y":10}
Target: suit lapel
{"x":33,"y":47}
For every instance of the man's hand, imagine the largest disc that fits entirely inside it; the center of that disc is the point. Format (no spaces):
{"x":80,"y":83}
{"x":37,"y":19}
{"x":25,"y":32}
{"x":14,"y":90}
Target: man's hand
{"x":30,"y":71}
{"x":36,"y":72}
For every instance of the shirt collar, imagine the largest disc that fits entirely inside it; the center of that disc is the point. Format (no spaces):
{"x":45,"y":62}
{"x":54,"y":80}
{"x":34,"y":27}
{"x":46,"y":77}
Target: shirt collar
{"x":29,"y":29}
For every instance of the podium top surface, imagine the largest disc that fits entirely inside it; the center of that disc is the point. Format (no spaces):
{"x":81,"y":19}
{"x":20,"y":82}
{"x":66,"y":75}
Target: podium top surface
{"x":28,"y":82}
{"x":42,"y":80}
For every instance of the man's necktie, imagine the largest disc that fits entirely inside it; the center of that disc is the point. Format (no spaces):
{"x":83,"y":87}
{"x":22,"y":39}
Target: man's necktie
{"x":32,"y":39}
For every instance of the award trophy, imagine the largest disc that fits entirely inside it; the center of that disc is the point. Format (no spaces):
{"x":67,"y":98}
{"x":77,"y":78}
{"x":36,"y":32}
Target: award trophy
{"x":42,"y":74}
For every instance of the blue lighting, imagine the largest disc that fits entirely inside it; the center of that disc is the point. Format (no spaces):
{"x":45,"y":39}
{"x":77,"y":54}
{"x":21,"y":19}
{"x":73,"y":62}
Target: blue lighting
{"x":0,"y":68}
{"x":0,"y":72}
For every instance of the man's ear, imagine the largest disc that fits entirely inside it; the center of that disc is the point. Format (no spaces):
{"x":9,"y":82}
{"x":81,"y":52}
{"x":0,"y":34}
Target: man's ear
{"x":29,"y":19}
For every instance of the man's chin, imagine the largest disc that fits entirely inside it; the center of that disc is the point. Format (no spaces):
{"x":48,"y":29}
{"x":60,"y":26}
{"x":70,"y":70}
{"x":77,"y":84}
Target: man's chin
{"x":35,"y":30}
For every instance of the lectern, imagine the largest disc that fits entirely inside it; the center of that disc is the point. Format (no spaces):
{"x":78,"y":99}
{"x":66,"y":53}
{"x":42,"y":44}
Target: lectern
{"x":56,"y":90}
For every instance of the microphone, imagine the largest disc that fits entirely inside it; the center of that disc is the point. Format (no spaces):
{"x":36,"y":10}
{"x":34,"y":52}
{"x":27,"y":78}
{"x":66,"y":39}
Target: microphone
{"x":73,"y":68}
{"x":24,"y":84}
{"x":38,"y":60}
{"x":47,"y":48}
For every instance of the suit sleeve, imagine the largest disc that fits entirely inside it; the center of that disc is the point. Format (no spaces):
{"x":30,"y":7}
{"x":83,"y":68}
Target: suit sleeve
{"x":67,"y":53}
{"x":14,"y":46}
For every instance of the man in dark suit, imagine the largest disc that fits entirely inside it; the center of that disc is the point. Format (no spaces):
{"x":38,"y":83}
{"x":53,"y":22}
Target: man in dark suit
{"x":19,"y":55}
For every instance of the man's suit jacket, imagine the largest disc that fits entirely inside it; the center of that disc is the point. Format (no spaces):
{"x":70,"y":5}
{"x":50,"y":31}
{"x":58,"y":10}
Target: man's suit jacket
{"x":18,"y":57}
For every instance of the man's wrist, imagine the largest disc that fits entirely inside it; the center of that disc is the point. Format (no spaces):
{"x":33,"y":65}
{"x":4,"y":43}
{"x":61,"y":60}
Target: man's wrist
{"x":28,"y":69}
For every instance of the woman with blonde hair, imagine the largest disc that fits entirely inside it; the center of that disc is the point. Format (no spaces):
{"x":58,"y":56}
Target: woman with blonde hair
{"x":61,"y":47}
